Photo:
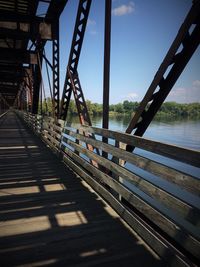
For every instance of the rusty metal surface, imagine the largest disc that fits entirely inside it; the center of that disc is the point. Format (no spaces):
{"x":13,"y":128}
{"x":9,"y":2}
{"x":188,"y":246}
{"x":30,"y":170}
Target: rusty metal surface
{"x":19,"y":26}
{"x":79,"y":31}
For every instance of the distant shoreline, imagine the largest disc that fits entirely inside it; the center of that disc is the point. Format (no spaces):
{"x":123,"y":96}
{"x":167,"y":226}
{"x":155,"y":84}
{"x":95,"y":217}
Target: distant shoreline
{"x":168,"y":110}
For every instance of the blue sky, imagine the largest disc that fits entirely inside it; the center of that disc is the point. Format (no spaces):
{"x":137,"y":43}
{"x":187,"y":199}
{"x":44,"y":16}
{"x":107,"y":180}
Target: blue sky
{"x":142,"y":32}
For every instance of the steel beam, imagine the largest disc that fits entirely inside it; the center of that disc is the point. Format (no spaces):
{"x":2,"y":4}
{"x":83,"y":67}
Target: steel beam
{"x":106,"y":78}
{"x":79,"y":99}
{"x":37,"y":78}
{"x":20,"y":31}
{"x":3,"y":99}
{"x":56,"y":73}
{"x":180,"y":52}
{"x":79,"y":31}
{"x":17,"y":56}
{"x":13,"y":16}
{"x":81,"y":107}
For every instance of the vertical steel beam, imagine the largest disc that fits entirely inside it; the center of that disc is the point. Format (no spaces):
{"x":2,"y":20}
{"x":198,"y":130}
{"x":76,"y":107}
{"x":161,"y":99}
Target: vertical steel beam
{"x":106,"y":78}
{"x":37,"y":78}
{"x":180,"y":52}
{"x":36,"y":88}
{"x":56,"y":72}
{"x":4,"y":103}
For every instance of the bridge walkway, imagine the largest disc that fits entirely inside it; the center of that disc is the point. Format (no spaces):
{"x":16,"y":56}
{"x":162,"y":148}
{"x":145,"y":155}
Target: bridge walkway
{"x":51,"y":217}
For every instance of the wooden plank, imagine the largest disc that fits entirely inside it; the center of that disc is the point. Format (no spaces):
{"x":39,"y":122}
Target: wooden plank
{"x":52,"y":133}
{"x":52,"y":139}
{"x":151,"y":211}
{"x":58,"y":128}
{"x":3,"y":114}
{"x":148,"y":187}
{"x":185,"y":181}
{"x":153,"y":239}
{"x":61,"y":122}
{"x":188,"y":156}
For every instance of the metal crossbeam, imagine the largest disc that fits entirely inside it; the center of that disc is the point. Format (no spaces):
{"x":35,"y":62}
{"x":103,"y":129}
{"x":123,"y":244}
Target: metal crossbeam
{"x":20,"y":31}
{"x":8,"y":55}
{"x":180,"y":52}
{"x":79,"y":30}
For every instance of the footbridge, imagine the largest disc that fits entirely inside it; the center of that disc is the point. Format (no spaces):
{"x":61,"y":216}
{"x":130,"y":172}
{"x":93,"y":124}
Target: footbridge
{"x":78,"y":195}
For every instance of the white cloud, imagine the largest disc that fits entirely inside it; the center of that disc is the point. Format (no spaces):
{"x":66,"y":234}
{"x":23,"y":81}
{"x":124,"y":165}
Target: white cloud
{"x":124,"y":9}
{"x":91,"y":22}
{"x":93,"y":32}
{"x":179,"y":91}
{"x":131,"y":96}
{"x":91,"y":27}
{"x":185,"y":95}
{"x":196,"y":83}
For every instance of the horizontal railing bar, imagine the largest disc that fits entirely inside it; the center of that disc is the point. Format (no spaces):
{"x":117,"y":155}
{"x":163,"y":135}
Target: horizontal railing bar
{"x":3,"y":114}
{"x":53,"y":133}
{"x":185,"y":181}
{"x":149,"y":188}
{"x":152,"y":212}
{"x":52,"y":139}
{"x":149,"y":235}
{"x":188,"y":156}
{"x":50,"y":144}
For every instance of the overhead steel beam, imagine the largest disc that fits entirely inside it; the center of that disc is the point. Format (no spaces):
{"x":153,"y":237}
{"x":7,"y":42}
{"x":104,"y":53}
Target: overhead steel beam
{"x":79,"y":31}
{"x":55,"y":9}
{"x":17,"y":56}
{"x":10,"y":78}
{"x":15,"y":68}
{"x":180,"y":52}
{"x":10,"y":29}
{"x":13,"y":16}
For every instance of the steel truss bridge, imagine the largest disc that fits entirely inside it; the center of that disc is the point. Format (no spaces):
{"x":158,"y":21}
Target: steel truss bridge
{"x":66,"y":195}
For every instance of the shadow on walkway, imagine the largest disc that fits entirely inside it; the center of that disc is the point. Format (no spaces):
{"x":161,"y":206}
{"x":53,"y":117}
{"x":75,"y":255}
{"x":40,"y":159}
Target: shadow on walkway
{"x":50,"y":217}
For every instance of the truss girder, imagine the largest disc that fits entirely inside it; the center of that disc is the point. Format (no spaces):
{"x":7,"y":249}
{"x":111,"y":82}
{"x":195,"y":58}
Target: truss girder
{"x":180,"y":52}
{"x":79,"y":30}
{"x":79,"y":99}
{"x":56,"y":79}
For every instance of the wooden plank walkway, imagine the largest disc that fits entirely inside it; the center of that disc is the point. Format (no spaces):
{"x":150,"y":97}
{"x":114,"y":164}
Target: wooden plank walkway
{"x":50,"y":217}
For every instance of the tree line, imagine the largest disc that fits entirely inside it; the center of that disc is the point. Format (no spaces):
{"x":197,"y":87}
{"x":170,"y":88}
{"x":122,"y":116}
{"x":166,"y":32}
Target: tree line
{"x":167,"y":110}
